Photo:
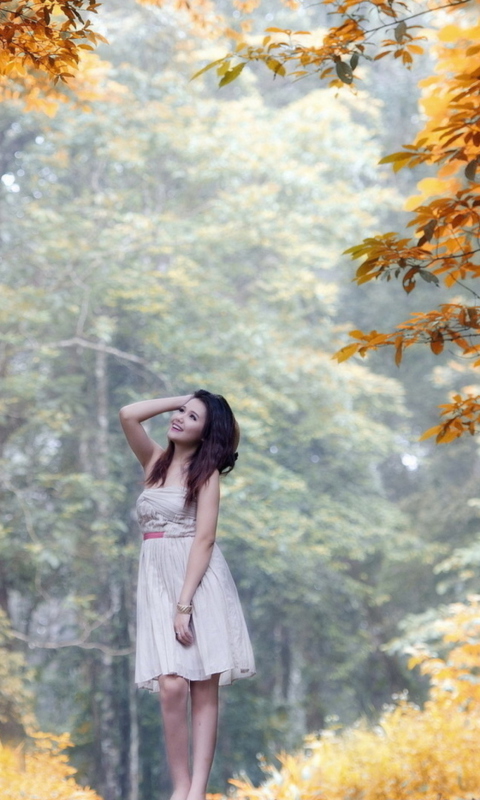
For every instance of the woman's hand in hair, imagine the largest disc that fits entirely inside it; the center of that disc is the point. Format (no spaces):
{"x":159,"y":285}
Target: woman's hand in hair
{"x":131,"y":417}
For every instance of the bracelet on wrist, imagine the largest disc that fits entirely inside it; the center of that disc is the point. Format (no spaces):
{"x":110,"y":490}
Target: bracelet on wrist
{"x":183,"y":609}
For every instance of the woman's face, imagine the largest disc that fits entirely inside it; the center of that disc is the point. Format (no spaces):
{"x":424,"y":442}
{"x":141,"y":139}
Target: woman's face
{"x":187,"y":423}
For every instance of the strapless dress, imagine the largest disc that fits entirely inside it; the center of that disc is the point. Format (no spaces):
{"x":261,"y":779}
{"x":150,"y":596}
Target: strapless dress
{"x":221,"y":641}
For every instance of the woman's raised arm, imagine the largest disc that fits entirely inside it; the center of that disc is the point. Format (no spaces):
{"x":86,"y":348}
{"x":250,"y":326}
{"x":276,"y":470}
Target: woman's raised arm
{"x":132,"y":416}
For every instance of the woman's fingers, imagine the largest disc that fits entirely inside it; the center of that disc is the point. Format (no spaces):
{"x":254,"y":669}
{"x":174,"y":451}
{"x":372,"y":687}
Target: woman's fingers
{"x":184,"y":637}
{"x":183,"y":633}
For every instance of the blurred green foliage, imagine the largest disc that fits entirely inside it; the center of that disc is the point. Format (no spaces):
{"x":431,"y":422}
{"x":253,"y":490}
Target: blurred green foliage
{"x":172,"y":238}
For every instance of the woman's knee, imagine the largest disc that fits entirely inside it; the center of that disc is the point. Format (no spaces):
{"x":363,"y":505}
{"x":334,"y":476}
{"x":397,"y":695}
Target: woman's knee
{"x":173,"y":691}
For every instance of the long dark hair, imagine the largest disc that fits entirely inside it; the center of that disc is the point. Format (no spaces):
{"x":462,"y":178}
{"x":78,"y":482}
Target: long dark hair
{"x":217,"y":450}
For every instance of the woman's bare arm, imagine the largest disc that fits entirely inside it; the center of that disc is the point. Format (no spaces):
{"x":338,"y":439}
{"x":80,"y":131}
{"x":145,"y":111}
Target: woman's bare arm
{"x":200,"y":551}
{"x":131,"y":418}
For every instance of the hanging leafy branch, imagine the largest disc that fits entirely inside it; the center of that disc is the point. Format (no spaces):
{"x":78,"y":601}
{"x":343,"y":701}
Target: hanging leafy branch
{"x":446,"y":217}
{"x":341,"y":49}
{"x":42,"y":42}
{"x":46,"y":53}
{"x":46,"y":35}
{"x":448,"y":227}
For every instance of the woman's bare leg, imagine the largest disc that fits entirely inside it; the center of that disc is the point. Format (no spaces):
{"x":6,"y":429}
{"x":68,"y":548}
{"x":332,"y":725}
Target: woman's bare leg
{"x":204,"y":700}
{"x":174,"y":706}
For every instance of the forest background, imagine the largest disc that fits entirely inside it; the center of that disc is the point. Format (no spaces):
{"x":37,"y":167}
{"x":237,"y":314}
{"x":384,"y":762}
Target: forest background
{"x":159,"y":235}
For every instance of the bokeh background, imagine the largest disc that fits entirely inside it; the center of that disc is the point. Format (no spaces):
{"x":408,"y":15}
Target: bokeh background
{"x":160,"y":235}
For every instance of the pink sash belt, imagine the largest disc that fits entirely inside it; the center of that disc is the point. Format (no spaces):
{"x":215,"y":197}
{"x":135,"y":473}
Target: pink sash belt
{"x":154,"y":535}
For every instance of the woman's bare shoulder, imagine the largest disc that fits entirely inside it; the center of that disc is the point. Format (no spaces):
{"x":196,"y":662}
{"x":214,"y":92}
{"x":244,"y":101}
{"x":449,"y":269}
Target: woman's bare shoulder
{"x":157,"y":451}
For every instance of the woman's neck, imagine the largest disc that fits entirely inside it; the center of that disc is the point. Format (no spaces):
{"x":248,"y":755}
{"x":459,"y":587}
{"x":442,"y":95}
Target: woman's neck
{"x":182,"y":456}
{"x":178,"y":469}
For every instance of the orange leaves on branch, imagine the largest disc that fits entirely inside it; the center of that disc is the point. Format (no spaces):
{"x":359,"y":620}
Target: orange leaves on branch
{"x":446,"y":217}
{"x":448,"y":230}
{"x":91,"y":82}
{"x":451,"y":323}
{"x":437,"y":341}
{"x":45,"y":35}
{"x":341,"y":48}
{"x":453,"y":135}
{"x":446,"y":245}
{"x":448,"y":227}
{"x":462,"y":415}
{"x":42,"y":44}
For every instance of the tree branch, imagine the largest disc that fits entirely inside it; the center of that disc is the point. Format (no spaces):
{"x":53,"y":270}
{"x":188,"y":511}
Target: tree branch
{"x":79,"y":642}
{"x":77,"y":341}
{"x":396,"y":20}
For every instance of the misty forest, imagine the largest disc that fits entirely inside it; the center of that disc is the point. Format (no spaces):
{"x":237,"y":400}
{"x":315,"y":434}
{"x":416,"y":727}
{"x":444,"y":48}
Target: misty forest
{"x":161,"y":234}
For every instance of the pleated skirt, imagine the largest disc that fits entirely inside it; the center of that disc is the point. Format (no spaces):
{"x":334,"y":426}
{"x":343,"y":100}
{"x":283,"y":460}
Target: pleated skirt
{"x":221,"y":641}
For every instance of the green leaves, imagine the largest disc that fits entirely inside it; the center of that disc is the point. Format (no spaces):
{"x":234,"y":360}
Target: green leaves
{"x":276,"y":66}
{"x":227,"y":72}
{"x":428,"y":231}
{"x":400,"y":31}
{"x":232,"y":73}
{"x":209,"y":66}
{"x":344,"y":71}
{"x":471,"y":169}
{"x":354,"y":60}
{"x":428,"y":277}
{"x":398,"y":160}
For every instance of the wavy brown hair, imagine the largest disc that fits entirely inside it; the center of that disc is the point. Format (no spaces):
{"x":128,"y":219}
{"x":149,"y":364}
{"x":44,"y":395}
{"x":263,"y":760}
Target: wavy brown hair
{"x":217,"y":450}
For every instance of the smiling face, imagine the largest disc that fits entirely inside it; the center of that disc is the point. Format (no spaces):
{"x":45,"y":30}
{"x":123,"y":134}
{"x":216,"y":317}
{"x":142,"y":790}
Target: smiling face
{"x":187,"y":423}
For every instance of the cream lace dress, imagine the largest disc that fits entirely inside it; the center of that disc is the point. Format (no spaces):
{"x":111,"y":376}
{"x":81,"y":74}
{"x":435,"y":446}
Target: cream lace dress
{"x":221,"y":641}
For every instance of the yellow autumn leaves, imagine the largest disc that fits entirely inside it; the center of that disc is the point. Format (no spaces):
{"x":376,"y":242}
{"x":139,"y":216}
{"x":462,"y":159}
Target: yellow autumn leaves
{"x":447,"y":226}
{"x":39,"y":770}
{"x":411,"y":754}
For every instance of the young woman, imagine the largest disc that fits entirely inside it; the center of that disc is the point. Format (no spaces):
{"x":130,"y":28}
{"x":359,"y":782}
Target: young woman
{"x":191,"y":634}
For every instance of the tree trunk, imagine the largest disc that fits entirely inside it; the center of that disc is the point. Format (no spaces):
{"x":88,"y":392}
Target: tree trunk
{"x":134,"y":765}
{"x":106,"y":733}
